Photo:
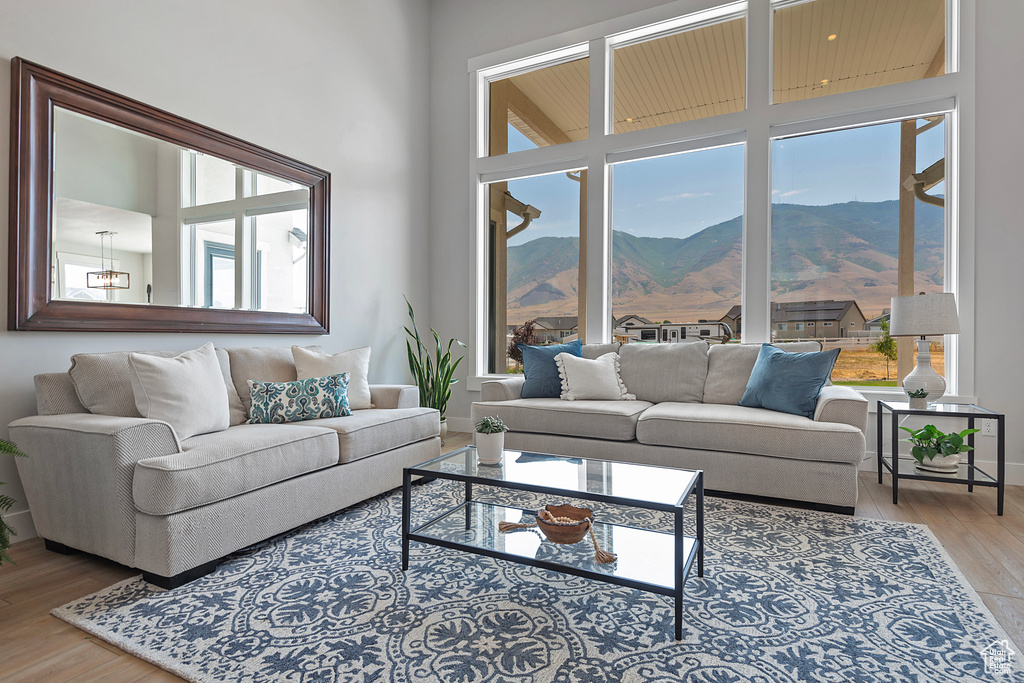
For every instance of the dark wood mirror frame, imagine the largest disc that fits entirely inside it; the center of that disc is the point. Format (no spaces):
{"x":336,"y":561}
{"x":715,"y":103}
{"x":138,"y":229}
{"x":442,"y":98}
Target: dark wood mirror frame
{"x":35,"y":90}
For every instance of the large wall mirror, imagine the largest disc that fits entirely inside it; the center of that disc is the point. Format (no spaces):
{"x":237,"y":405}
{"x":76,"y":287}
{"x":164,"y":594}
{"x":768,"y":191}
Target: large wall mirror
{"x":127,"y":218}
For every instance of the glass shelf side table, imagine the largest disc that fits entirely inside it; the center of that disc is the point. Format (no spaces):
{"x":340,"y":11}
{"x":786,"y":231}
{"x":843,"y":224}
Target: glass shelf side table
{"x":967,"y":472}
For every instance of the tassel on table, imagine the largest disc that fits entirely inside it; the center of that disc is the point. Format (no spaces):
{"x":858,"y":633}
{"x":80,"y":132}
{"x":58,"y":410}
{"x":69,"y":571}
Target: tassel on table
{"x":601,"y":556}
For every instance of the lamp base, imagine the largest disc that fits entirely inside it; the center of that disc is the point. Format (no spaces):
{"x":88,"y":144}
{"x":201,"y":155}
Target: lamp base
{"x":923,"y":378}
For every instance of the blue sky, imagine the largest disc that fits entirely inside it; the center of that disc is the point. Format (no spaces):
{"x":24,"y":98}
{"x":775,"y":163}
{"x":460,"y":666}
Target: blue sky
{"x":680,"y":195}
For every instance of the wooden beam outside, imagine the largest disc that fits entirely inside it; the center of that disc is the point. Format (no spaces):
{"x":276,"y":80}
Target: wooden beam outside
{"x":498,"y":299}
{"x":905,"y":249}
{"x":938,"y":65}
{"x":532,"y":115}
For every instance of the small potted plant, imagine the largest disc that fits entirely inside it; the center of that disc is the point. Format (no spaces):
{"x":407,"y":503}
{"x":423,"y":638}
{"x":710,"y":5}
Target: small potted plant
{"x":918,"y":399}
{"x":936,"y":451}
{"x":490,"y":440}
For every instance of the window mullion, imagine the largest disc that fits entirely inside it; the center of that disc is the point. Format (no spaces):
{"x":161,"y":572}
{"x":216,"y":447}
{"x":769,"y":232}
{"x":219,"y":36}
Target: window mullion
{"x":756,"y":286}
{"x":595,"y":229}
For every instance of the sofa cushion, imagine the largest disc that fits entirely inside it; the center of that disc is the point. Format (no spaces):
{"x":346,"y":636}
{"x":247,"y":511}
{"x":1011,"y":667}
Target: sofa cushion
{"x":592,"y":351}
{"x":186,"y":391}
{"x":542,"y":380}
{"x":584,"y":379}
{"x":730,"y":365}
{"x":221,"y":465}
{"x":665,"y":372}
{"x":263,"y":364}
{"x":354,"y":362}
{"x":103,"y":381}
{"x":299,"y":401}
{"x":729,"y":428}
{"x":788,"y":382}
{"x":611,"y":420}
{"x":372,"y":431}
{"x":236,"y":411}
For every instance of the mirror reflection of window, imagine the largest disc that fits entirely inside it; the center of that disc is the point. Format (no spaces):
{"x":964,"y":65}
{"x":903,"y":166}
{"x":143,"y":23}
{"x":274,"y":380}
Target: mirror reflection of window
{"x":188,"y":208}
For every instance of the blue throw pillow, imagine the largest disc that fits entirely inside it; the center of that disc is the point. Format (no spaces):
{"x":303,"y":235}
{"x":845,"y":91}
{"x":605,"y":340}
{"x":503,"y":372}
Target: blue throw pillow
{"x":542,"y":379}
{"x":788,"y":382}
{"x":305,"y":399}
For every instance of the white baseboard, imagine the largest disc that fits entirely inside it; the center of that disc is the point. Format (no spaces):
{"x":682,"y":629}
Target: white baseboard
{"x":22,"y":523}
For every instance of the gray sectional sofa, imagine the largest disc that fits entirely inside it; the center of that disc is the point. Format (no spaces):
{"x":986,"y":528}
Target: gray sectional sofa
{"x":687,"y":415}
{"x":114,"y":484}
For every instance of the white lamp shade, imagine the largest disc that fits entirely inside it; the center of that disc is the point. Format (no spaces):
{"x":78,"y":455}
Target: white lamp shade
{"x":924,"y":315}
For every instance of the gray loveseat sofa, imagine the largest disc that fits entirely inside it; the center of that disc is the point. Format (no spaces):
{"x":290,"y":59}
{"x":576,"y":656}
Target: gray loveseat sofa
{"x":109,"y":482}
{"x":687,"y":415}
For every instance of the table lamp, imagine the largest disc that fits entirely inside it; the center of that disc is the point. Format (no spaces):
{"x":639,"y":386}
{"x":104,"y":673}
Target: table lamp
{"x":923,"y":316}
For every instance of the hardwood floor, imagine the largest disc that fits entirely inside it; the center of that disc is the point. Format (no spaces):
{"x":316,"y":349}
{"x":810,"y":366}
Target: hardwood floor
{"x":35,"y":646}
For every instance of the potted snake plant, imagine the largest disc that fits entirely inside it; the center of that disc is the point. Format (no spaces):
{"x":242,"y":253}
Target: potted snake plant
{"x":434,"y":376}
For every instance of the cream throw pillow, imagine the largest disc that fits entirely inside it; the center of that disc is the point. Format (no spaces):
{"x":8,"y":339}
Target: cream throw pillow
{"x":186,"y":391}
{"x":356,"y":362}
{"x":594,"y":380}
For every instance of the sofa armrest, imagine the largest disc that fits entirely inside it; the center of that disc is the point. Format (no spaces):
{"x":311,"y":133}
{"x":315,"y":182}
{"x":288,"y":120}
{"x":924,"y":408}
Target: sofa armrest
{"x":502,"y":389}
{"x":78,"y":476}
{"x":392,"y":396}
{"x":842,"y":404}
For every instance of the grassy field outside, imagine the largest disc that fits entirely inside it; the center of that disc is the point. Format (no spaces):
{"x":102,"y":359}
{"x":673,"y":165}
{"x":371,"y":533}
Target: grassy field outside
{"x":861,"y":366}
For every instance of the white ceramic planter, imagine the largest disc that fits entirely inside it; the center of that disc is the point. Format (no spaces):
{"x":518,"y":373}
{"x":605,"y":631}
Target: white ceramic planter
{"x":489,"y":447}
{"x":945,"y":463}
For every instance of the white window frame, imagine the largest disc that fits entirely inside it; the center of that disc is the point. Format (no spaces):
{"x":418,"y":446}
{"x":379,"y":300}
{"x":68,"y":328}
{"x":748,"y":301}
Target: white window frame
{"x":755,"y":126}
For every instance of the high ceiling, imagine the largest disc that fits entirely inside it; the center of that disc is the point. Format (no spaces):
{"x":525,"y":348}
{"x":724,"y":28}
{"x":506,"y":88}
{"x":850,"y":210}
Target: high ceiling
{"x":700,"y":72}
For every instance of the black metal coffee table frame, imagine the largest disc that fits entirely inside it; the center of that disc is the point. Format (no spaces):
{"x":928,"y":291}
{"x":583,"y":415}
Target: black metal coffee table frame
{"x":683,"y":560}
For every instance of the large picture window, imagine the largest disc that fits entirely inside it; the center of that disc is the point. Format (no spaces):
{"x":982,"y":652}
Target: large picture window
{"x":755,"y":172}
{"x":677,"y":244}
{"x":858,"y":217}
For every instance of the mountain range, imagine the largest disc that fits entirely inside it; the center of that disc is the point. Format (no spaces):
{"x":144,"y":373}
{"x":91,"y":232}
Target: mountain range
{"x":837,"y":251}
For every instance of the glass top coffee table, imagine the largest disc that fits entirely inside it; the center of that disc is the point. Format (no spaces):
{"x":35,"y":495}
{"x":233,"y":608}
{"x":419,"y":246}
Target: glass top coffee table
{"x":650,"y":560}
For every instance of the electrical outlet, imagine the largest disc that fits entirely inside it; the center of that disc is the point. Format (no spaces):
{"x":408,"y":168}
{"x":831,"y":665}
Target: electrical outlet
{"x":988,"y":427}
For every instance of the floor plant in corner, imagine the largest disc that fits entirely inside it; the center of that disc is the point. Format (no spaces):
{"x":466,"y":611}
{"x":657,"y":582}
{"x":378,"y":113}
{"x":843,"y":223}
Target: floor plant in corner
{"x":6,"y":530}
{"x":434,"y":376}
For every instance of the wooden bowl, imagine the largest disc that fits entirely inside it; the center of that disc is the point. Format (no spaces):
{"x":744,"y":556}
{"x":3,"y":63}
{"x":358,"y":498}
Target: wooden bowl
{"x":565,"y":533}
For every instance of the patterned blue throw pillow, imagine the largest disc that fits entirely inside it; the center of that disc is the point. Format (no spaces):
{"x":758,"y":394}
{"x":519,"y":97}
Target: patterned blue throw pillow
{"x":305,"y":399}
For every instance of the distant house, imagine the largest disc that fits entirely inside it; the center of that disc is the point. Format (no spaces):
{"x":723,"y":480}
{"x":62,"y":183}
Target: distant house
{"x":733,"y":319}
{"x":874,"y":326}
{"x":553,"y":330}
{"x":807,"y":319}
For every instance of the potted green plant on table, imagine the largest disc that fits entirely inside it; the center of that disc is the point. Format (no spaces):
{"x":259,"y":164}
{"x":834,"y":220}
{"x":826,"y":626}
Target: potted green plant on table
{"x":918,"y":399}
{"x":6,"y":530}
{"x":490,"y":440}
{"x":936,"y":451}
{"x":434,"y":376}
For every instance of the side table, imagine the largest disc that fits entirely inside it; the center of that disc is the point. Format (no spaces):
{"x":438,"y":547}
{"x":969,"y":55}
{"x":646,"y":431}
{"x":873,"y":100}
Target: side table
{"x":967,"y":473}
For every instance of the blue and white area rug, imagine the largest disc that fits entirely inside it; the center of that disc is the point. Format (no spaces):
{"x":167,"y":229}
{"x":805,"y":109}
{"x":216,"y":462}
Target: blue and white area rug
{"x":787,"y":595}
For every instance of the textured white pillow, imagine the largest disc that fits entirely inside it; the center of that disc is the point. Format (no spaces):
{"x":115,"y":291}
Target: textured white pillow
{"x":186,"y":391}
{"x":596,"y":380}
{"x":356,"y":362}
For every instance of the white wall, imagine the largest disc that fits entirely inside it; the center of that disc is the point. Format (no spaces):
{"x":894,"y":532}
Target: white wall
{"x":340,"y":85}
{"x":462,"y":30}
